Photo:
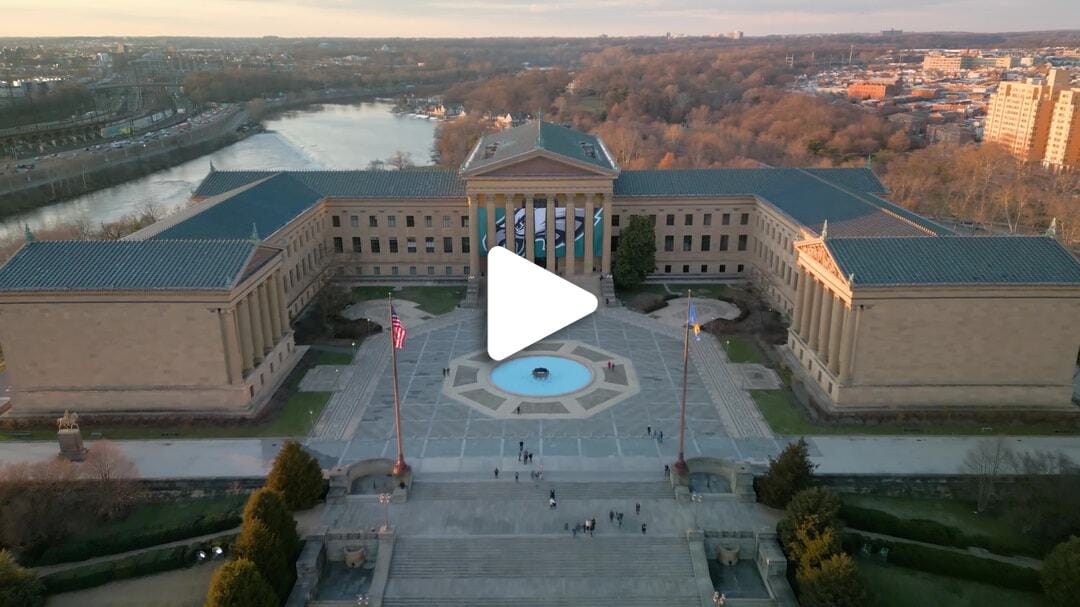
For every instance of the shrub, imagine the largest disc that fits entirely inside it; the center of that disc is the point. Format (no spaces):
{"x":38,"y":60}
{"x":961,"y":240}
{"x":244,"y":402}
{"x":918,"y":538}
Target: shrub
{"x":297,"y":476}
{"x":788,"y":474}
{"x":257,"y":544}
{"x":817,"y":508}
{"x":1060,"y":575}
{"x":238,"y":584}
{"x":836,"y":583}
{"x":268,"y":506}
{"x":647,"y":302}
{"x":950,"y":563}
{"x":19,"y":587}
{"x":636,"y":256}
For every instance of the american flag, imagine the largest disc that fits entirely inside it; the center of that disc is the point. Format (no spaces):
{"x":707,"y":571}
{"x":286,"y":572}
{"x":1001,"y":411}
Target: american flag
{"x":397,"y":330}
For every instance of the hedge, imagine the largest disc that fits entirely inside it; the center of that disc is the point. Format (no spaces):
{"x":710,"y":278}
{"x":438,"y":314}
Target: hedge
{"x":923,"y":530}
{"x":948,"y":563}
{"x":144,"y":563}
{"x":115,"y":544}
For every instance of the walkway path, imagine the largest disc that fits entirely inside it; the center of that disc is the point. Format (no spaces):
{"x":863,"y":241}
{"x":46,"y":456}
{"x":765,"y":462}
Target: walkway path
{"x":1019,"y":561}
{"x":208,"y":538}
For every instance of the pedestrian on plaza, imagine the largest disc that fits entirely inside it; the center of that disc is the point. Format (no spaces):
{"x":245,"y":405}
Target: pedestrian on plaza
{"x":661,"y":435}
{"x":496,"y":473}
{"x":519,"y":457}
{"x":611,"y":516}
{"x":575,"y":530}
{"x":648,"y":430}
{"x":515,"y":477}
{"x":620,"y":520}
{"x":552,"y":494}
{"x":667,"y":471}
{"x":643,"y":529}
{"x":541,"y":471}
{"x":592,"y":528}
{"x":521,"y":446}
{"x":518,"y":410}
{"x":551,"y":503}
{"x":637,"y":505}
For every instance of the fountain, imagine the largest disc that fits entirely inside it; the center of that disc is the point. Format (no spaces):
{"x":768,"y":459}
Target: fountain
{"x":541,"y":375}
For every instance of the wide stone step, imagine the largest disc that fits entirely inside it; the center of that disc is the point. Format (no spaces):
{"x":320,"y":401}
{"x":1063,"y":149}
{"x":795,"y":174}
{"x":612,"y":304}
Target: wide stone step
{"x":526,"y":489}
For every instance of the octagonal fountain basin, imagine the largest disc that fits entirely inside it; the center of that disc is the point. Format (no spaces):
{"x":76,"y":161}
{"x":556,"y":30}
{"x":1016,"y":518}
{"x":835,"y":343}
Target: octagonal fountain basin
{"x":541,"y":376}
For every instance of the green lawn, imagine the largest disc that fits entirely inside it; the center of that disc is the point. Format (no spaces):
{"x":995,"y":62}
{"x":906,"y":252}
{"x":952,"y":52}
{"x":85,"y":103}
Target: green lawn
{"x":948,"y":512}
{"x":433,"y":300}
{"x":741,"y":350}
{"x":900,"y":587}
{"x":333,"y":358}
{"x":785,"y":416}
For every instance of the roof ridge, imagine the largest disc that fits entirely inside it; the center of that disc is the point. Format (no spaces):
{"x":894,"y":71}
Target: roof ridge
{"x":859,"y":197}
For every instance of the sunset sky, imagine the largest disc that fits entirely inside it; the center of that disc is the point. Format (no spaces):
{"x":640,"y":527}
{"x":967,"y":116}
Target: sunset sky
{"x":473,"y":18}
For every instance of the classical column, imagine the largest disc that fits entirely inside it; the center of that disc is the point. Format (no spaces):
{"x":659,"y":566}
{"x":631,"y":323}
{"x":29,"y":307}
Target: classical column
{"x":474,"y":240}
{"x":605,"y":263}
{"x":549,"y":232}
{"x":589,"y":211}
{"x":264,"y":313}
{"x":835,"y":326}
{"x":530,"y":226}
{"x":256,"y":326}
{"x":826,"y":317}
{"x":230,"y":340}
{"x":508,"y":221}
{"x":571,"y":224}
{"x":275,"y":306}
{"x":283,"y":306}
{"x":489,"y":205}
{"x":847,"y":338}
{"x":247,"y":343}
{"x":800,"y":308}
{"x":815,"y":313}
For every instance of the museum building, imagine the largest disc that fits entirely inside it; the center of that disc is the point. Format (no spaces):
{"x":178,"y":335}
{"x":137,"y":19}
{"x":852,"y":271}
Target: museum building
{"x":192,"y":314}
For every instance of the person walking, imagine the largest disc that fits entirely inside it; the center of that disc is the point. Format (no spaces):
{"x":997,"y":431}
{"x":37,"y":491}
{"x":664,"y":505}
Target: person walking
{"x":521,"y":446}
{"x":667,"y":471}
{"x":619,"y":517}
{"x":496,"y":473}
{"x":592,"y":528}
{"x":611,"y":516}
{"x":515,"y":477}
{"x":648,"y":430}
{"x":519,"y":456}
{"x":661,"y":435}
{"x":552,"y":494}
{"x":643,"y":529}
{"x":637,"y":505}
{"x":551,"y":503}
{"x":574,"y":531}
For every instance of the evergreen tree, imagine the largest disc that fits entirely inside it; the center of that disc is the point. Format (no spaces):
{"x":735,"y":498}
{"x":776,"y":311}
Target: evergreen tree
{"x":636,"y":256}
{"x":836,"y":583}
{"x":1060,"y":573}
{"x":297,"y":476}
{"x":816,"y":508}
{"x":257,"y":544}
{"x":239,"y":584}
{"x":268,"y":506}
{"x":19,"y":587}
{"x":788,"y":474}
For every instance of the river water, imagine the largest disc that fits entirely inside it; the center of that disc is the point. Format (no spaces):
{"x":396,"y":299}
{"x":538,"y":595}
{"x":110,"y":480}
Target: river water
{"x":338,"y":136}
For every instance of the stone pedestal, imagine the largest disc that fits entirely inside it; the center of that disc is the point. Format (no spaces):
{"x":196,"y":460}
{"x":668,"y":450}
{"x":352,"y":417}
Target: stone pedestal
{"x":71,"y":444}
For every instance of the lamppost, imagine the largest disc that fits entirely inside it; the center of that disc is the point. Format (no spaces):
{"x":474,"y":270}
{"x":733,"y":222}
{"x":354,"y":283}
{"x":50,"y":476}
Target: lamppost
{"x":362,"y":601}
{"x":384,"y":499}
{"x":719,"y":599}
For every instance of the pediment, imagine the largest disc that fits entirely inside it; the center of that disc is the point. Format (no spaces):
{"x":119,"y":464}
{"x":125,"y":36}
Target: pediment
{"x":820,"y":254}
{"x":539,"y":163}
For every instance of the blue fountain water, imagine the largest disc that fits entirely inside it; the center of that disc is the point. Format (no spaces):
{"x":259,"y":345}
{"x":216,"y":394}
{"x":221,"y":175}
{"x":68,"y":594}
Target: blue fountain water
{"x":564,"y":376}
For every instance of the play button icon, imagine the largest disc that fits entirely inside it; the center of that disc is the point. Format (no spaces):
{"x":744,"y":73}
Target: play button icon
{"x":526,"y":303}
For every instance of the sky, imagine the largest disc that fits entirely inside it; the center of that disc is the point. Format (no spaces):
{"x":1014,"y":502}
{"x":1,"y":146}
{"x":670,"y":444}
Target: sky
{"x":481,"y":18}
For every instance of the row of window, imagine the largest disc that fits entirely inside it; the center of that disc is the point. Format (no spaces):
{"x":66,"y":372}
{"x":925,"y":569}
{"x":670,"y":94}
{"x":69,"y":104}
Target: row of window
{"x":688,"y":219}
{"x":412,"y":271}
{"x":721,"y":269}
{"x":375,"y":244}
{"x":706,"y":243}
{"x":391,"y":221}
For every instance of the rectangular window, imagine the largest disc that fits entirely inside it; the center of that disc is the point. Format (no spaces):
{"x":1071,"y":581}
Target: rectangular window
{"x":688,"y":220}
{"x":410,"y":244}
{"x":465,"y":245}
{"x":725,"y":219}
{"x":723,"y":242}
{"x":744,"y":219}
{"x":669,"y":243}
{"x":706,"y":219}
{"x":391,"y":220}
{"x":339,"y":247}
{"x":356,"y":242}
{"x":723,"y":268}
{"x":686,"y":269}
{"x":410,"y":221}
{"x":465,"y":270}
{"x":446,"y":221}
{"x":670,"y":219}
{"x":393,"y":245}
{"x":375,"y":245}
{"x":427,"y":221}
{"x":615,"y":220}
{"x":704,"y":269}
{"x":464,"y":221}
{"x":449,"y":270}
{"x":742,"y":242}
{"x":431,"y":270}
{"x":429,"y":244}
{"x":687,"y":243}
{"x":373,"y":221}
{"x":335,"y":221}
{"x":354,"y":221}
{"x":378,"y":270}
{"x":448,"y":244}
{"x":667,"y":269}
{"x":706,"y":240}
{"x":394,"y":270}
{"x":739,"y":268}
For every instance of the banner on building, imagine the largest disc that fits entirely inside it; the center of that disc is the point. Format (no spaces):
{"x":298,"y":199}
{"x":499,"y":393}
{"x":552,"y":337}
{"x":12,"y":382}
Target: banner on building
{"x":540,"y":231}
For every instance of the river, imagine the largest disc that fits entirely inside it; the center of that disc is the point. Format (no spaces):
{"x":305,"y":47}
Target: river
{"x":337,"y":136}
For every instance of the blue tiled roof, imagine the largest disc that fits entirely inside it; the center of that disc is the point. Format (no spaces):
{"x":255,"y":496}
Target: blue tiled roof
{"x":539,"y":135}
{"x":268,"y":206}
{"x":409,"y":183}
{"x":954,"y":260}
{"x":126,"y":265}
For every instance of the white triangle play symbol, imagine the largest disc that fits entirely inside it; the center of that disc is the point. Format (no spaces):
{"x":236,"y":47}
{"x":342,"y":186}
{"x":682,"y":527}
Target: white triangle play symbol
{"x":526,"y":303}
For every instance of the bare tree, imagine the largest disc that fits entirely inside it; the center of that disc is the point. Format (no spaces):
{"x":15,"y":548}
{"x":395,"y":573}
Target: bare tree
{"x":115,"y":473}
{"x":400,"y":160}
{"x":986,"y":462}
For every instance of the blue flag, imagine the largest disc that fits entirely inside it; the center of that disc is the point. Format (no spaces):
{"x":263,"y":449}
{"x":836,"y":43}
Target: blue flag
{"x":692,"y":321}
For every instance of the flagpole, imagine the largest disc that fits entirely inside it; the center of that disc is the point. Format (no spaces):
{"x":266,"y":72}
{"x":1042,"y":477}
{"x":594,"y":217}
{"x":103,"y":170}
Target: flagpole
{"x":680,"y":464}
{"x":400,"y":467}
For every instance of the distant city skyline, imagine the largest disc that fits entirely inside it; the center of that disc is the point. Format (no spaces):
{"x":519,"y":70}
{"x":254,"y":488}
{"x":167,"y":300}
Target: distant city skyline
{"x":485,"y":18}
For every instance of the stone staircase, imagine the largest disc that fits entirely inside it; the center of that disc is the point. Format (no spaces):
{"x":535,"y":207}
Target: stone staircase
{"x":541,"y":571}
{"x":345,"y":407}
{"x":527,"y":490}
{"x":607,"y":292}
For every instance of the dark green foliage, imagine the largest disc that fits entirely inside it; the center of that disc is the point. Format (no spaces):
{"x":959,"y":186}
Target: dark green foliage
{"x":268,"y":506}
{"x":816,"y":508}
{"x":788,"y":474}
{"x":1060,"y":575}
{"x":238,"y":584}
{"x":836,"y":583}
{"x":949,"y":563}
{"x":257,"y":544}
{"x":636,"y":256}
{"x":144,"y":563}
{"x":18,"y":587}
{"x":297,"y":476}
